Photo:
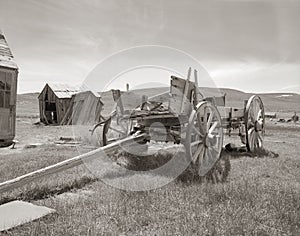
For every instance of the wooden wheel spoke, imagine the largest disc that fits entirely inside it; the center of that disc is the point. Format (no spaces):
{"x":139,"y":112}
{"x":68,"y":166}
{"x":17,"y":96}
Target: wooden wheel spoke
{"x":205,"y":119}
{"x":251,"y":130}
{"x":256,"y":140}
{"x":256,"y":108}
{"x":197,"y":131}
{"x":196,"y":142}
{"x":208,"y":158}
{"x":259,"y":114}
{"x":251,"y":124}
{"x":214,"y":151}
{"x":203,"y":163}
{"x":253,"y":137}
{"x":201,"y":156}
{"x":252,"y":115}
{"x":212,"y":128}
{"x":198,"y":152}
{"x":210,"y":118}
{"x":260,"y":139}
{"x":200,"y":122}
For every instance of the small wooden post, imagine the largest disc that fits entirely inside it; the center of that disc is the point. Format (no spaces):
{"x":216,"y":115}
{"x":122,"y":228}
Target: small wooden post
{"x":118,"y":99}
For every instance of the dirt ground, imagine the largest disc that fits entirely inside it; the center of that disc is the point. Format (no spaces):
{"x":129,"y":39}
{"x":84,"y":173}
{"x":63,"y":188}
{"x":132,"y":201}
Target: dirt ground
{"x":260,"y":197}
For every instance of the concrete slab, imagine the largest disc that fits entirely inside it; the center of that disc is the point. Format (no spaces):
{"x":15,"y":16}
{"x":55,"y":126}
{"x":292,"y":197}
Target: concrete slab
{"x":16,"y":213}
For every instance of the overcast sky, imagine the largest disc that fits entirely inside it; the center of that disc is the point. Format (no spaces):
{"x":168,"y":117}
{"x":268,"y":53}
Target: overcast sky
{"x":253,"y":46}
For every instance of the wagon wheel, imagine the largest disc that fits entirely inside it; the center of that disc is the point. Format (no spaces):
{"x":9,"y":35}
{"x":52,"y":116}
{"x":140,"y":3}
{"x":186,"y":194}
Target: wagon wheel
{"x":112,"y":129}
{"x":204,"y":137}
{"x":254,"y":123}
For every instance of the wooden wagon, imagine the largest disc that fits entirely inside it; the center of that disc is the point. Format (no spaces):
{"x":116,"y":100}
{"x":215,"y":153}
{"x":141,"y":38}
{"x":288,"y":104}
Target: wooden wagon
{"x":183,"y":115}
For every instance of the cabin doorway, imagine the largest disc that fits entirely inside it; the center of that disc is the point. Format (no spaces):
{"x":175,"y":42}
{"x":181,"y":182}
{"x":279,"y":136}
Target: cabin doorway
{"x":51,"y":112}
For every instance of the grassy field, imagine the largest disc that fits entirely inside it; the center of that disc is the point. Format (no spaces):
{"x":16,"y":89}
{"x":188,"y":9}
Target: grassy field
{"x":260,"y":197}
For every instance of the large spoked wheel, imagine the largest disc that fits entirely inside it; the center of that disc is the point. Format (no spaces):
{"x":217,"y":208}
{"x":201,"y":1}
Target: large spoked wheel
{"x":113,"y":129}
{"x":204,"y":137}
{"x":254,"y":123}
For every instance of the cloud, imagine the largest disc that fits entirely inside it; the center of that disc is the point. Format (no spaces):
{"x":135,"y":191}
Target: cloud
{"x":68,"y":38}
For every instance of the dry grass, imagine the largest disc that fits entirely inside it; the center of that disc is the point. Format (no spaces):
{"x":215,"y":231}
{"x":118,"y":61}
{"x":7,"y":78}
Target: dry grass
{"x":244,"y":207}
{"x":260,"y":197}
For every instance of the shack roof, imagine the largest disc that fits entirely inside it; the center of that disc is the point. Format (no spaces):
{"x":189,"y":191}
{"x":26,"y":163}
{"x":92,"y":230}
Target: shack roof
{"x":6,"y":57}
{"x":63,"y":90}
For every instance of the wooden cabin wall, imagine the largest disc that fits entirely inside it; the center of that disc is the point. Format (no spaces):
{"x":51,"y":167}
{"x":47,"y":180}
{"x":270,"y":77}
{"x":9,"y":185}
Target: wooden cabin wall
{"x":98,"y":110}
{"x":42,"y":110}
{"x":86,"y":109}
{"x":8,"y":113}
{"x":46,"y":95}
{"x":13,"y":100}
{"x":82,"y":109}
{"x":62,"y":106}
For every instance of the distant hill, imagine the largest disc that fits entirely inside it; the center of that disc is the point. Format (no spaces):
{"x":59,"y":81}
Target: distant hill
{"x":275,"y":102}
{"x":282,"y":102}
{"x":27,"y":104}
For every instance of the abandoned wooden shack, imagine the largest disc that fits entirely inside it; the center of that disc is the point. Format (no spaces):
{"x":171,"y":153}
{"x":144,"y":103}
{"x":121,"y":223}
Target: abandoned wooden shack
{"x":271,"y":115}
{"x":85,"y":109}
{"x":8,"y":93}
{"x":54,"y":102}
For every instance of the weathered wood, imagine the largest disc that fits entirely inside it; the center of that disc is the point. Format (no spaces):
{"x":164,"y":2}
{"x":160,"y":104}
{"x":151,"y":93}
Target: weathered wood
{"x":179,"y":100}
{"x":185,"y":93}
{"x":118,"y":99}
{"x":197,"y":92}
{"x":67,"y":115}
{"x":8,"y":93}
{"x":67,"y":164}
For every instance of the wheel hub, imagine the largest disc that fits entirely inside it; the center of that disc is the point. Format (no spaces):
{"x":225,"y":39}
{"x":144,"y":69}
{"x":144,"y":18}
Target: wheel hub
{"x":210,"y":140}
{"x":258,"y":126}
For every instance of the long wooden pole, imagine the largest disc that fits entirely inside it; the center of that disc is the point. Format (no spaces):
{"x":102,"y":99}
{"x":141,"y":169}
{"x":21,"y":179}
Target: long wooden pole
{"x":67,"y":164}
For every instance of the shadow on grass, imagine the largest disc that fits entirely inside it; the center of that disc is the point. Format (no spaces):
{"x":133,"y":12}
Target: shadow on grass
{"x":218,"y":174}
{"x":43,"y":192}
{"x":235,"y":152}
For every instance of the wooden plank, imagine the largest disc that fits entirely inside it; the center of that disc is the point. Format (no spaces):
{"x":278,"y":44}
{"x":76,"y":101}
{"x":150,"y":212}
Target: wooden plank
{"x":231,"y":112}
{"x":197,"y":91}
{"x":67,"y":164}
{"x":118,"y":99}
{"x":177,"y":100}
{"x":185,"y":93}
{"x":67,"y":115}
{"x":238,"y":113}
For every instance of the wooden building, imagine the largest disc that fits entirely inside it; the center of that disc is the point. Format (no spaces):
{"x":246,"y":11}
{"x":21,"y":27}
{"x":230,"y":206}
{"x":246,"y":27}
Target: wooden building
{"x":8,"y":93}
{"x":54,"y":102}
{"x":85,"y":109}
{"x":271,"y":115}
